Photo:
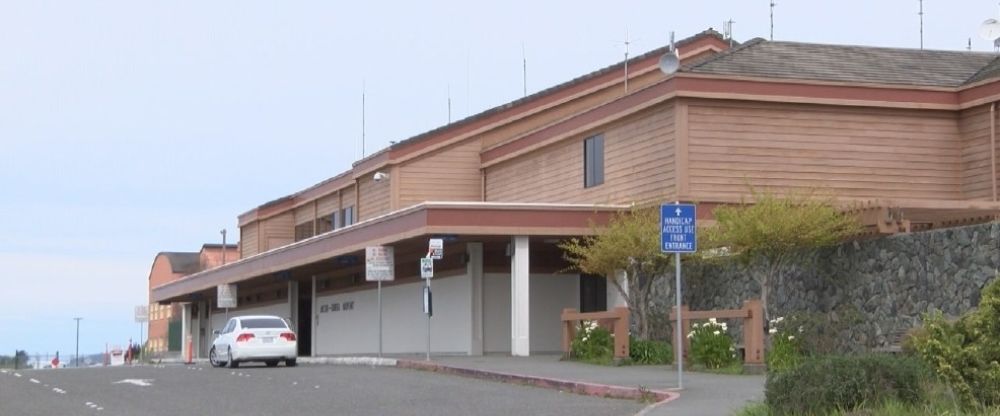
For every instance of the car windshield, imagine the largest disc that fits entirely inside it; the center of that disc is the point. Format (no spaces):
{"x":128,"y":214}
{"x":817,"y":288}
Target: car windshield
{"x":263,"y":323}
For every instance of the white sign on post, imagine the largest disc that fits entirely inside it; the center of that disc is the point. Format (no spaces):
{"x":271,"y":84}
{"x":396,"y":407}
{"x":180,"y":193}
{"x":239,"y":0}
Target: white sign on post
{"x":226,"y":295}
{"x":141,"y":314}
{"x":426,"y":267}
{"x":379,"y":264}
{"x":436,"y":248}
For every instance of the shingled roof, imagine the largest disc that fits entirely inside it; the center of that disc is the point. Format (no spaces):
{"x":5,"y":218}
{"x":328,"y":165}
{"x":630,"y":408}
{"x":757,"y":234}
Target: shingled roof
{"x":183,"y":263}
{"x":854,"y":64}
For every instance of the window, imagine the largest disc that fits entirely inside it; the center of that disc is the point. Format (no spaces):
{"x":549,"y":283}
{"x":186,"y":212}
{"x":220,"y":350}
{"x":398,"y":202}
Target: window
{"x":324,"y":224}
{"x":347,"y":216}
{"x":593,"y":161}
{"x":303,"y":231}
{"x":258,"y":323}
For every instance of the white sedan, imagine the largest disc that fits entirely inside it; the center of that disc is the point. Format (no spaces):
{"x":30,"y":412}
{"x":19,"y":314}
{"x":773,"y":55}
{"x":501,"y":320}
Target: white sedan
{"x":254,"y":338}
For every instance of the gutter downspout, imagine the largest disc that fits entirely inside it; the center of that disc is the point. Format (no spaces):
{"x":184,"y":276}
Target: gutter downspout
{"x":993,"y":149}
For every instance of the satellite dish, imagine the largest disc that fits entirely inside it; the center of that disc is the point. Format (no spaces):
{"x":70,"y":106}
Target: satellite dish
{"x":990,"y":29}
{"x":669,"y":63}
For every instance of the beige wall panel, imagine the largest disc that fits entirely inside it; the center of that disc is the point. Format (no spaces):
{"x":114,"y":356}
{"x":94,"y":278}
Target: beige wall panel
{"x":278,"y":230}
{"x":638,"y":166}
{"x":451,"y":174}
{"x":567,"y":109}
{"x":374,"y":197}
{"x":348,"y":198}
{"x":305,"y":213}
{"x":849,"y":152}
{"x":328,"y":204}
{"x":976,"y":167}
{"x":248,"y":240}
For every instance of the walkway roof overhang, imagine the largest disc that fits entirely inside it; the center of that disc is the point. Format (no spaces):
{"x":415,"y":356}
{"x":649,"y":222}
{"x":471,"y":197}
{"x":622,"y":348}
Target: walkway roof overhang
{"x":430,"y":218}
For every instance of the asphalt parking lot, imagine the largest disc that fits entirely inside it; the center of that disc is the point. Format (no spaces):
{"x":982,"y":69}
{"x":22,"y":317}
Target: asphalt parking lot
{"x":304,"y":390}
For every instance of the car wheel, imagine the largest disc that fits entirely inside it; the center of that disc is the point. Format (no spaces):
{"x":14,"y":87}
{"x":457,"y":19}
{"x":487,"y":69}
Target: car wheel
{"x":213,"y":358}
{"x":290,"y":362}
{"x":271,"y":363}
{"x":232,"y":362}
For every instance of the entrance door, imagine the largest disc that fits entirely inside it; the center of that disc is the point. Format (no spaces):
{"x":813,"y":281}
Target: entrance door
{"x":593,"y":293}
{"x":305,"y":319}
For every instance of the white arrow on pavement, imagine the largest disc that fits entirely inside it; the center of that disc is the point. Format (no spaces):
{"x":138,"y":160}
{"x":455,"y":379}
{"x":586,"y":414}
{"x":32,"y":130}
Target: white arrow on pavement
{"x":145,"y":382}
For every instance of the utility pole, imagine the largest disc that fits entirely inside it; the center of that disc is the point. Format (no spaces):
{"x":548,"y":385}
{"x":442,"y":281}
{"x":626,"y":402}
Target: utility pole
{"x":78,"y":341}
{"x":223,"y":246}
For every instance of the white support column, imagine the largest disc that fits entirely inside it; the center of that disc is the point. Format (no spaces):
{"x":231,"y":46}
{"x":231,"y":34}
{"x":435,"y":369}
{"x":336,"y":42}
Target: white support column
{"x":293,"y":304}
{"x":474,"y":268}
{"x":519,"y":303}
{"x":615,"y":298}
{"x":315,"y":320}
{"x":186,"y":335}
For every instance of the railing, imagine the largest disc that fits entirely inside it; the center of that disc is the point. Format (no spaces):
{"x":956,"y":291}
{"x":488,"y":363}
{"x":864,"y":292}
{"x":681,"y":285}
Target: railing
{"x":615,"y":320}
{"x":752,"y":315}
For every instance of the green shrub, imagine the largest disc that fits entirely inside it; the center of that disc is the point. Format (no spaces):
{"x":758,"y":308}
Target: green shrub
{"x":711,"y":345}
{"x":593,"y":344}
{"x":824,"y":384}
{"x":786,"y":350}
{"x":650,"y":352}
{"x":966,"y":354}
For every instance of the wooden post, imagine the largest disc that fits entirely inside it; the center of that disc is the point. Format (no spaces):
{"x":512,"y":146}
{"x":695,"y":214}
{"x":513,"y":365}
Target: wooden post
{"x":568,"y":330}
{"x":753,"y":332}
{"x":621,"y":333}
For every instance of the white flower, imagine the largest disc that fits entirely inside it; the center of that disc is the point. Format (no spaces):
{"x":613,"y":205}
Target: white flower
{"x":690,"y":334}
{"x":791,"y":337}
{"x":716,"y":332}
{"x":781,"y":318}
{"x":694,"y":325}
{"x":712,"y":320}
{"x":800,"y":329}
{"x":772,"y":330}
{"x":724,"y":327}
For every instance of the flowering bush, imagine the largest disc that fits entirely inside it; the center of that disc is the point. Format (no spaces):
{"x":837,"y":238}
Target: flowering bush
{"x":711,"y":346}
{"x":593,"y":344}
{"x":786,"y":346}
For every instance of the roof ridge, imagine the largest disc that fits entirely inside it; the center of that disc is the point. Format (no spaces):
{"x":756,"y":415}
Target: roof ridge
{"x":728,"y":52}
{"x":892,"y":48}
{"x":975,"y":76}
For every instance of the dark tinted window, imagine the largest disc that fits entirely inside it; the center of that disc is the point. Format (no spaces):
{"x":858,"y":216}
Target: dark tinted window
{"x":593,"y":161}
{"x":263,"y":323}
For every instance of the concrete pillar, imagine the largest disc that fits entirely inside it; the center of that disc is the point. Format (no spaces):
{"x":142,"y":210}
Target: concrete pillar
{"x":519,"y":302}
{"x":185,"y":328}
{"x":615,"y":299}
{"x":474,"y":269}
{"x":315,"y":320}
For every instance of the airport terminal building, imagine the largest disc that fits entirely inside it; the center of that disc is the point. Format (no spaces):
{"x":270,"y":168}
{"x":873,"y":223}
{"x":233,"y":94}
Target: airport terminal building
{"x":905,"y":137}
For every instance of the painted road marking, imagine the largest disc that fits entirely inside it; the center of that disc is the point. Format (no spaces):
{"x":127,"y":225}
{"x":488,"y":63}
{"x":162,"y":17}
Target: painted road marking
{"x":17,"y":374}
{"x":58,"y":390}
{"x":34,"y":381}
{"x":142,"y":382}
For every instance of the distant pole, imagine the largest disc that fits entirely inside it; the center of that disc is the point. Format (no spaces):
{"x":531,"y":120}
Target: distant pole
{"x":223,"y":246}
{"x":921,"y":13}
{"x":78,"y":341}
{"x":626,"y":60}
{"x":772,"y":20}
{"x":449,"y":103}
{"x":362,"y":119}
{"x":524,"y":70}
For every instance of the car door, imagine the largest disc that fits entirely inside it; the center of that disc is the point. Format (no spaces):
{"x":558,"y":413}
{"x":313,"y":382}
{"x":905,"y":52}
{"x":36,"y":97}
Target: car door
{"x":224,"y":339}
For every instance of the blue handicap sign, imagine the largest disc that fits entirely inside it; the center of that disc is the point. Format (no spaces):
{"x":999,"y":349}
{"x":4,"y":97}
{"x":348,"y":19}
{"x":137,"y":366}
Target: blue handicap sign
{"x":677,"y":228}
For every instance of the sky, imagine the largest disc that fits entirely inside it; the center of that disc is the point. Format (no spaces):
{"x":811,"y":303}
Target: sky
{"x":133,"y":127}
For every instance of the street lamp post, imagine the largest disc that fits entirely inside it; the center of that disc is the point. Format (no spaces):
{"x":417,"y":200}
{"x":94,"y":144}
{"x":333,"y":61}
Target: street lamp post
{"x":78,"y":341}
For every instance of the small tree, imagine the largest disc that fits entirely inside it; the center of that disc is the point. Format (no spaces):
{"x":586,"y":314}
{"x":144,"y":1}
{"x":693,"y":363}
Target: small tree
{"x":775,"y":229}
{"x":630,"y":242}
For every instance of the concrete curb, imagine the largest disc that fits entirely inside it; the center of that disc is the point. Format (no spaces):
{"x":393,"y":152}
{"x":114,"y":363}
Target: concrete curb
{"x":363,"y":361}
{"x":577,"y":387}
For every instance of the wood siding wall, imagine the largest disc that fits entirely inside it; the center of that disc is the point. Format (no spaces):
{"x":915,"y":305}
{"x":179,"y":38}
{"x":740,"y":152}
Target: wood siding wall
{"x":852,"y":152}
{"x":277,"y":231}
{"x":533,"y":122}
{"x":451,"y":174}
{"x":374,"y":197}
{"x":328,"y":204}
{"x":974,"y":124}
{"x":249,"y":240}
{"x":305,"y":213}
{"x":638,"y":166}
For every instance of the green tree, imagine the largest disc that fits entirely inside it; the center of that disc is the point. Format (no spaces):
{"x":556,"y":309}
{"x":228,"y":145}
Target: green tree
{"x":776,"y":230}
{"x":630,"y":242}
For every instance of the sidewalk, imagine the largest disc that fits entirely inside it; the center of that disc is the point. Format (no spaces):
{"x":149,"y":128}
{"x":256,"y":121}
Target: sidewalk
{"x":703,"y":394}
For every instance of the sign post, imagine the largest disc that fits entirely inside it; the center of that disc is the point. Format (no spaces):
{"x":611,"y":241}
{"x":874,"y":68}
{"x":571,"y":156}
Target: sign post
{"x":141,"y":317}
{"x":379,"y":265}
{"x":226,"y":295}
{"x":678,"y":235}
{"x":435,"y":251}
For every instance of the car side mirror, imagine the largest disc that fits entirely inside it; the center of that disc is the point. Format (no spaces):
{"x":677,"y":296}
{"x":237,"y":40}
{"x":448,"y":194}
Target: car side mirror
{"x":216,"y":332}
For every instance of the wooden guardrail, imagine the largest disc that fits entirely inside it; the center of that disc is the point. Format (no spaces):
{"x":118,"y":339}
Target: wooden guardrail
{"x":615,"y":320}
{"x":752,"y":315}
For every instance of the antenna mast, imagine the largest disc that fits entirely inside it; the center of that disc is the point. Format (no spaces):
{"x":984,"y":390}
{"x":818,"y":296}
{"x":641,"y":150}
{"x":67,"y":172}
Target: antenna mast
{"x":921,"y":13}
{"x":449,"y":103}
{"x":772,"y":19}
{"x":727,"y":31}
{"x":362,"y":119}
{"x":524,"y":70}
{"x":626,"y":59}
